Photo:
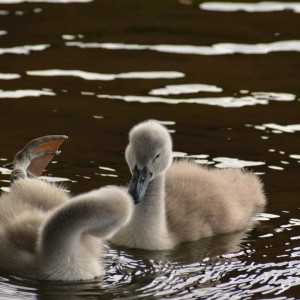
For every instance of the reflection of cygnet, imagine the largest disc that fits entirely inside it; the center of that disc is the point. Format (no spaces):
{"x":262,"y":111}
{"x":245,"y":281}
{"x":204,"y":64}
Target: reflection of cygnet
{"x":181,"y":201}
{"x":45,"y":234}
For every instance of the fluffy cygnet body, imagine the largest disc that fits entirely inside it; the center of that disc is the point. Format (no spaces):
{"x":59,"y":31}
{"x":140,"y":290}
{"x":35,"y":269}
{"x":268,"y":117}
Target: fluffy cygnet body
{"x":182,"y":201}
{"x":45,"y":234}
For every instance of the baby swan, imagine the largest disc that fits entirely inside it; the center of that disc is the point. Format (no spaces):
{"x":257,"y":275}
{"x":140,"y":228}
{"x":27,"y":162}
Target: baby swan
{"x":181,"y":201}
{"x":45,"y":234}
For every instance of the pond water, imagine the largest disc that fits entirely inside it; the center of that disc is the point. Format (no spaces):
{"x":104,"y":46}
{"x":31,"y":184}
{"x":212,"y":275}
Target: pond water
{"x":222,"y":76}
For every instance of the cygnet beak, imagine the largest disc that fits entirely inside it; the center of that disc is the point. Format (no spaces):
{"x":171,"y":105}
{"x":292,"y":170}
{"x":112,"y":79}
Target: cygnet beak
{"x":139,"y":183}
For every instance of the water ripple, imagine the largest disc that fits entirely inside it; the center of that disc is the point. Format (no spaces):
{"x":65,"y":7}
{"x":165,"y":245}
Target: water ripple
{"x":274,"y":96}
{"x":110,"y":172}
{"x":219,"y":162}
{"x":26,"y":49}
{"x":265,"y":217}
{"x":295,"y":156}
{"x":185,"y":89}
{"x":7,"y":76}
{"x":212,"y":268}
{"x":5,"y":171}
{"x":269,"y":278}
{"x":226,"y":162}
{"x":216,"y":49}
{"x":254,"y":98}
{"x":25,"y":93}
{"x":55,"y":179}
{"x":44,"y":1}
{"x":106,"y":77}
{"x":276,"y":168}
{"x":265,"y":6}
{"x":220,"y":101}
{"x":276,"y":128}
{"x":261,"y":263}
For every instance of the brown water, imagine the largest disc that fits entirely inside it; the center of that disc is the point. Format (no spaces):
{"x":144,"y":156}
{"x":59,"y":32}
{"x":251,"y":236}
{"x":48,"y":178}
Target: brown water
{"x":223,"y":79}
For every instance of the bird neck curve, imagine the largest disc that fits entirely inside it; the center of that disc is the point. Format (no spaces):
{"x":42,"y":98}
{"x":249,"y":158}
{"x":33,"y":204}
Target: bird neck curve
{"x":151,"y":212}
{"x":69,"y":243}
{"x":65,"y":251}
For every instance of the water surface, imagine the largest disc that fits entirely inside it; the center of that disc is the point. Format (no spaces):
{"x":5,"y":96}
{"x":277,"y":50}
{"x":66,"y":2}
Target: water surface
{"x":222,"y":76}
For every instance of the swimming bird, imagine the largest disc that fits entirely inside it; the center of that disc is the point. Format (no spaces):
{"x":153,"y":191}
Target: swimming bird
{"x":45,"y":233}
{"x":181,"y":201}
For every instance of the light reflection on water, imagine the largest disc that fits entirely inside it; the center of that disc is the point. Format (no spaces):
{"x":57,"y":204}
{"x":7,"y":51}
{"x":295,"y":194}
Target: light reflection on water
{"x":264,"y":261}
{"x":226,"y":162}
{"x":210,"y":268}
{"x":279,"y":128}
{"x":44,"y":1}
{"x":110,"y":172}
{"x":230,"y":162}
{"x":216,"y":101}
{"x":274,"y":96}
{"x":98,"y":76}
{"x":216,"y":49}
{"x":264,"y":6}
{"x":295,"y":156}
{"x":219,"y":162}
{"x":148,"y":275}
{"x":185,"y":89}
{"x":24,"y":50}
{"x":8,"y":76}
{"x":254,"y":98}
{"x":25,"y":93}
{"x":19,"y":12}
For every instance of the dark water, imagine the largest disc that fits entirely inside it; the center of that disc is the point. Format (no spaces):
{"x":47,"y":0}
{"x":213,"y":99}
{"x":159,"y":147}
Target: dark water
{"x":224,"y":78}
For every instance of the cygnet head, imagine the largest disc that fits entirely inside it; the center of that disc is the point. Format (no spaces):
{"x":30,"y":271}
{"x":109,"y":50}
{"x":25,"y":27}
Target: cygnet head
{"x":148,"y":154}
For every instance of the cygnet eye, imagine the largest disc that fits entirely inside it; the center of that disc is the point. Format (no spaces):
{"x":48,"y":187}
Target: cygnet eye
{"x":157,"y":156}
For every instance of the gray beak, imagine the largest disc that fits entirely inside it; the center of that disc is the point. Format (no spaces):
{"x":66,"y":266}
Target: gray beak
{"x":139,"y":183}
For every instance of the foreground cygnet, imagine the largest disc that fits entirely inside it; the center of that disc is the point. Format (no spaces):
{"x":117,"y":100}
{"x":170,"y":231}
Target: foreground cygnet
{"x":182,"y":201}
{"x":45,"y":234}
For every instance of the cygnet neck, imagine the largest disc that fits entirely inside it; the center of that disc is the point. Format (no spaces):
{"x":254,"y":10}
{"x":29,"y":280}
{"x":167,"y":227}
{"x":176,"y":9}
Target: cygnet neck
{"x":155,"y":192}
{"x":152,"y":209}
